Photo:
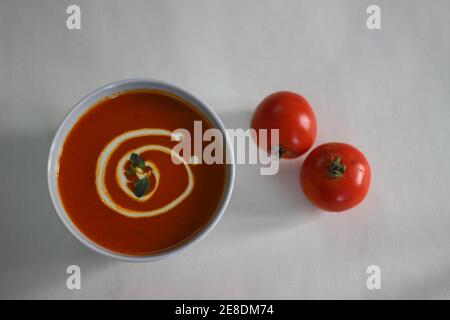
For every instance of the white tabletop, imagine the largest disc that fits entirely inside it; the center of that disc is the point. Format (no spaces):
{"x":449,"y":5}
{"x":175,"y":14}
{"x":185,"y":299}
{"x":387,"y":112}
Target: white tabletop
{"x":385,"y":91}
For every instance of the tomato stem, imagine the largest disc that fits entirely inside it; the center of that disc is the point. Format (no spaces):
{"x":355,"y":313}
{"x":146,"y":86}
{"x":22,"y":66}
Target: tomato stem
{"x":278,"y":151}
{"x":336,"y":169}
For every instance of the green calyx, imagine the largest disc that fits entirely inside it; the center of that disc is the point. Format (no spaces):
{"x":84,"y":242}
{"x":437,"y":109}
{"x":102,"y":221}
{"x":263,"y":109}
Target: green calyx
{"x":277,"y":152}
{"x":336,"y":169}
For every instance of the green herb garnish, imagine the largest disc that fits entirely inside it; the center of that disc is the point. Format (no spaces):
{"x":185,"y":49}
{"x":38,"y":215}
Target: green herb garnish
{"x":137,"y":161}
{"x":141,"y":187}
{"x":137,"y":167}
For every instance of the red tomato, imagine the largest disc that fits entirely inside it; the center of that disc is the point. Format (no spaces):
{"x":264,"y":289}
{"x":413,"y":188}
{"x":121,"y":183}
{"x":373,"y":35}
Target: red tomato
{"x":293,"y":116}
{"x":335,"y":176}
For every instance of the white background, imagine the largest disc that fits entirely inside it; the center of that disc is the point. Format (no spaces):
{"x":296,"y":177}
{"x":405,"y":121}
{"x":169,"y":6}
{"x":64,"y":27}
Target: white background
{"x":386,"y":92}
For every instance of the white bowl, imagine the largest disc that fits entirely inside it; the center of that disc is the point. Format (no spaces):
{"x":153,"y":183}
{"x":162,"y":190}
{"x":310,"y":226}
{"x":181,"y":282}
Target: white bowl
{"x":73,"y":116}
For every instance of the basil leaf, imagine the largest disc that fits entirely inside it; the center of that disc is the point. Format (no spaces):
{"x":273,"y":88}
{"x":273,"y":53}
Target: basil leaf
{"x":137,"y":161}
{"x":141,"y":187}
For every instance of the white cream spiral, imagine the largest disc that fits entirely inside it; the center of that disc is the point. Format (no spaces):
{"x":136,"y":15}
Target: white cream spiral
{"x":121,"y":179}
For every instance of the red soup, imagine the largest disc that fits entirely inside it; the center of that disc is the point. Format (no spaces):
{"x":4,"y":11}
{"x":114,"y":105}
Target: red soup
{"x":119,"y":184}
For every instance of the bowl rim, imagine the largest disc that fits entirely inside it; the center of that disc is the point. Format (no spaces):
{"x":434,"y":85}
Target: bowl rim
{"x":64,"y":128}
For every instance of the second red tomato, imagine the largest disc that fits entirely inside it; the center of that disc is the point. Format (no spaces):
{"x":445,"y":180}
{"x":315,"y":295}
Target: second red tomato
{"x":335,"y":176}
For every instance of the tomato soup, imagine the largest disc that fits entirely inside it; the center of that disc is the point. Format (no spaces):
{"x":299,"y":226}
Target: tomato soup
{"x":118,"y":182}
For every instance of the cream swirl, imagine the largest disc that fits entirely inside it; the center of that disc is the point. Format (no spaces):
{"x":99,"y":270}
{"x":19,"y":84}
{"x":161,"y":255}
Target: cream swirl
{"x":121,"y":179}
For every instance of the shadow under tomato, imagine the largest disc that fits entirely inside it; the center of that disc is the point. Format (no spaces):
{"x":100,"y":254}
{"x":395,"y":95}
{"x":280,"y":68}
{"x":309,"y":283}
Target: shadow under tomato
{"x":36,"y":247}
{"x":264,"y":203}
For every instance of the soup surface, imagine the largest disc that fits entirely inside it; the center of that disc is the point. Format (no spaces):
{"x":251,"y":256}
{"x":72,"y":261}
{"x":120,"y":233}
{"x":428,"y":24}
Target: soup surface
{"x":100,"y":185}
